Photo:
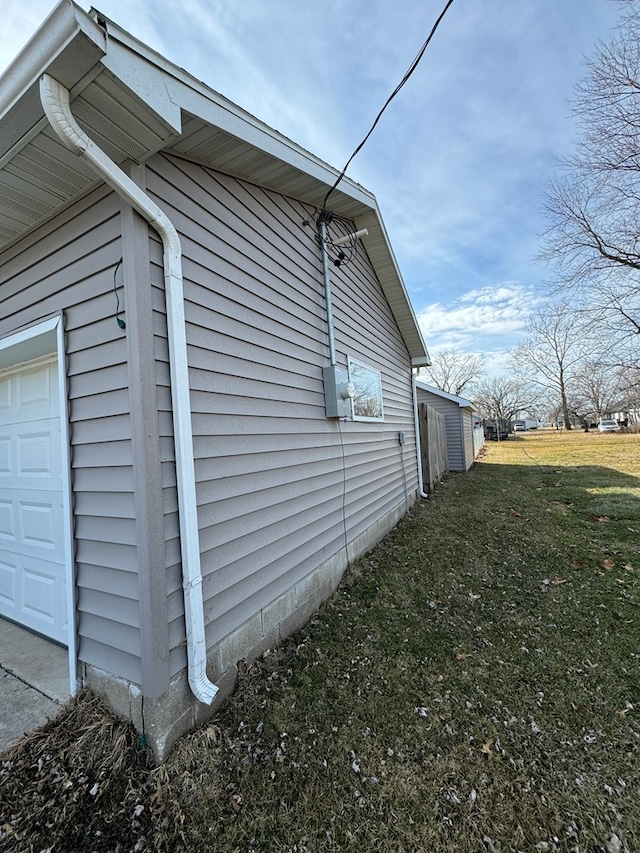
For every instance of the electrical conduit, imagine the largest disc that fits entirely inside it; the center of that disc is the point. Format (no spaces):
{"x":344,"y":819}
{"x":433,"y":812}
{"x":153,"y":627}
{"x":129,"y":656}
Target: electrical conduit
{"x":322,"y":232}
{"x":55,"y":100}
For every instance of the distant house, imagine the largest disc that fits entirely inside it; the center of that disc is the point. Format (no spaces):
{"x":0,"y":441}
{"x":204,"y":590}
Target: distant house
{"x":191,"y":448}
{"x":464,"y":430}
{"x":625,"y":411}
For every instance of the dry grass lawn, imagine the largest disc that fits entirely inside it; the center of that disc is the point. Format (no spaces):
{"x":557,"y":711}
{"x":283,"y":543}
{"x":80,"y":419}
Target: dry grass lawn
{"x":474,"y":685}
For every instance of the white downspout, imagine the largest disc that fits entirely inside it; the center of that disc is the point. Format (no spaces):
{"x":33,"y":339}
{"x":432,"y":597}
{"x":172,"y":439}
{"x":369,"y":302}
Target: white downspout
{"x":55,"y":100}
{"x":416,"y":421}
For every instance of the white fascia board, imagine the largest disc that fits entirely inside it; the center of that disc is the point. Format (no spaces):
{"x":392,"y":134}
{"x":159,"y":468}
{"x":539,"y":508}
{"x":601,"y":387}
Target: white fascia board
{"x":73,"y":48}
{"x":421,"y":361}
{"x":215,"y":110}
{"x":379,"y":249}
{"x":63,"y":26}
{"x":69,"y":46}
{"x":191,"y":95}
{"x":464,"y":404}
{"x":145,"y":82}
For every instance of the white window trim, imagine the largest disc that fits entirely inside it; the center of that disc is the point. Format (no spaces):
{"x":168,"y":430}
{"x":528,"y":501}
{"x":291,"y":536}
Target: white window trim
{"x":363,"y":418}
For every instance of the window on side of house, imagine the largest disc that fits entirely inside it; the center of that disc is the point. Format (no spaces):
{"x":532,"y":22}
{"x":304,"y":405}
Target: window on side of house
{"x":366,"y":404}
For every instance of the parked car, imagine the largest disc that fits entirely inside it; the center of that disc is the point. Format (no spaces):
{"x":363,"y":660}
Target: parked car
{"x":608,"y":425}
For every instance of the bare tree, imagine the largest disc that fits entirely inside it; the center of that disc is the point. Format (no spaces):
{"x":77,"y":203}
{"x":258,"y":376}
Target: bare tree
{"x":629,"y":382}
{"x":501,"y":398}
{"x":593,"y":239}
{"x":554,"y":352}
{"x":598,"y":387}
{"x":453,"y":370}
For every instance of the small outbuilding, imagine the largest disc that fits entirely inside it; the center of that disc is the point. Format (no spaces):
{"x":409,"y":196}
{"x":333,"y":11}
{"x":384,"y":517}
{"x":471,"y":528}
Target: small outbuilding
{"x":463,"y":426}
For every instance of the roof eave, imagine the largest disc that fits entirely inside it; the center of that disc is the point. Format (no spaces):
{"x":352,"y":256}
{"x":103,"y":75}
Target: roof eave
{"x":431,"y":389}
{"x":76,"y":48}
{"x":69,"y":46}
{"x":197,"y":99}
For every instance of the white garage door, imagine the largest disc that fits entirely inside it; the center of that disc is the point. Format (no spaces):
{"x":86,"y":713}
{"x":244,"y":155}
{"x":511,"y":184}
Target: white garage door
{"x":32,"y":529}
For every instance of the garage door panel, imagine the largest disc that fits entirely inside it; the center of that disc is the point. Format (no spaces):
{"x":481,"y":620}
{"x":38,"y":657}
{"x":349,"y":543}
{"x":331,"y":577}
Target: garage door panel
{"x":8,"y":535}
{"x":22,"y":404}
{"x":43,"y":597}
{"x":32,"y":550}
{"x":31,"y":523}
{"x":34,"y":454}
{"x":34,"y":392}
{"x":30,"y":449}
{"x":32,"y":594}
{"x":8,"y":576}
{"x":5,"y":455}
{"x":40,"y":524}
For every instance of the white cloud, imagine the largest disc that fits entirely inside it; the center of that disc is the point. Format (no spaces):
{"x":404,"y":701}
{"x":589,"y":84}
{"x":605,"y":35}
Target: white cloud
{"x":480,"y":319}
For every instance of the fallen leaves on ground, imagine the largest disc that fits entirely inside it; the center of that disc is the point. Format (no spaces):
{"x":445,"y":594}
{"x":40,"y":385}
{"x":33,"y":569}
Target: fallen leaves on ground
{"x":486,"y":748}
{"x":438,"y":701}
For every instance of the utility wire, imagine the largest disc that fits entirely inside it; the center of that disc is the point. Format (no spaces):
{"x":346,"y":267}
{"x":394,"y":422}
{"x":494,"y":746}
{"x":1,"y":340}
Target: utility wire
{"x":408,"y":74}
{"x":121,"y":323}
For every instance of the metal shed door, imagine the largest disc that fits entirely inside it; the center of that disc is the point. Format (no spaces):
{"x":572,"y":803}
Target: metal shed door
{"x":32,"y":529}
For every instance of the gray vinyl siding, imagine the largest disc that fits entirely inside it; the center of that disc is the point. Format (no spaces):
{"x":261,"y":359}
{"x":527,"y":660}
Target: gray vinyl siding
{"x":455,"y":445}
{"x":269,"y":464}
{"x":467,"y":429}
{"x":67,"y":265}
{"x":456,"y":436}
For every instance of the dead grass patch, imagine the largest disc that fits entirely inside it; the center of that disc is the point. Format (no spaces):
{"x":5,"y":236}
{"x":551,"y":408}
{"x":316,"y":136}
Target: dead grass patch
{"x":81,"y":782}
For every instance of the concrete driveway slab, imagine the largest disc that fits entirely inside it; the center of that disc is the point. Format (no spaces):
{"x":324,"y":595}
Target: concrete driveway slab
{"x":23,"y":709}
{"x":34,"y":682}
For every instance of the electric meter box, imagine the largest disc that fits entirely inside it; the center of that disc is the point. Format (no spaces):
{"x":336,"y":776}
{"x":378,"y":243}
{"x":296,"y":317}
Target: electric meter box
{"x":338,"y":392}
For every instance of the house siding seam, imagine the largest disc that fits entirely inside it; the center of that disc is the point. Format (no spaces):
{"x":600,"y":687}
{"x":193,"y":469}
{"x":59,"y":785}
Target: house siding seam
{"x":257,"y":344}
{"x":67,"y":265}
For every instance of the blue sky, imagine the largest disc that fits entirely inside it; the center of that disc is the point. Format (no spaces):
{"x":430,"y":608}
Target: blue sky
{"x":461,"y":157}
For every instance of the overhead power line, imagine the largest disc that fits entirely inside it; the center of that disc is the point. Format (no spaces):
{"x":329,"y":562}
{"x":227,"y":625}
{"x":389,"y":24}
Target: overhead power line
{"x":408,"y":74}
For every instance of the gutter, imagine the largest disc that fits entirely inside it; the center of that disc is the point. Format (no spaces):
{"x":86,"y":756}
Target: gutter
{"x":55,"y":100}
{"x":67,"y":32}
{"x":414,"y":389}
